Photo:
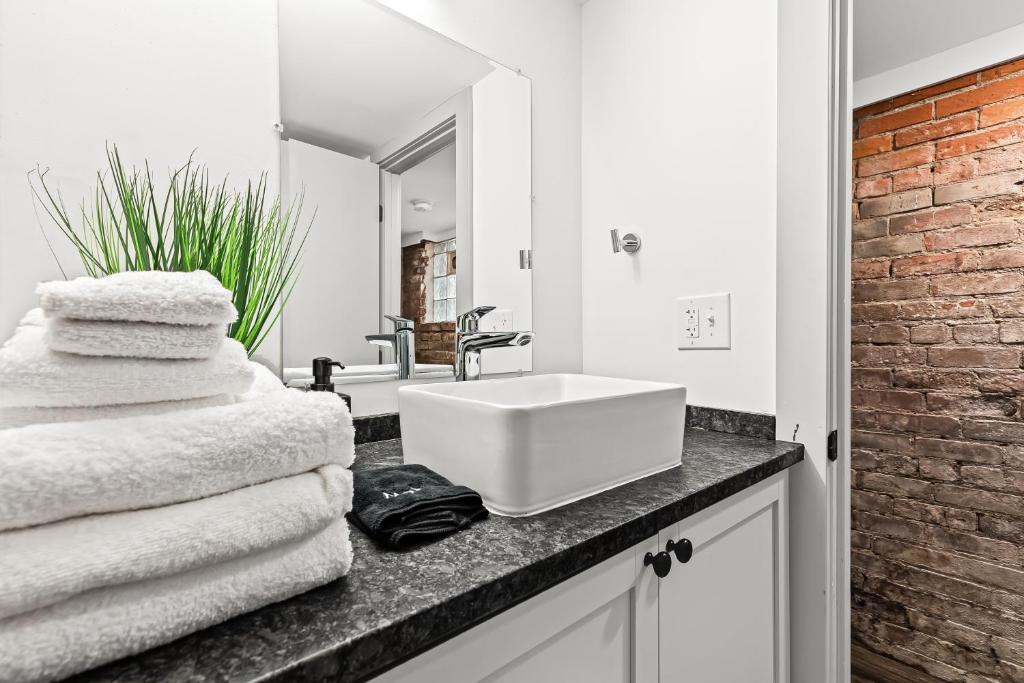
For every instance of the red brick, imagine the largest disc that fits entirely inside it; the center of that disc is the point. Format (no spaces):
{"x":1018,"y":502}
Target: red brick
{"x":980,"y":500}
{"x":871,"y":502}
{"x":864,"y":269}
{"x":973,"y":357}
{"x":1011,"y":332}
{"x":929,"y":334}
{"x":963,"y":451}
{"x":934,"y":310}
{"x":961,"y":123}
{"x":1002,"y":111}
{"x":874,"y":187}
{"x":1005,"y":382}
{"x":882,"y":442}
{"x":930,"y":425}
{"x":893,"y":161}
{"x":890,"y":290}
{"x":893,"y":399}
{"x":1006,"y":432}
{"x":976,"y":283}
{"x":930,"y":219}
{"x":977,"y":236}
{"x":893,"y":485}
{"x":1007,"y":158}
{"x":985,"y":94}
{"x":888,"y":246}
{"x":928,"y":264}
{"x":931,"y":378}
{"x":873,"y":312}
{"x":975,"y":406}
{"x":871,"y":377}
{"x":897,"y":119}
{"x":985,"y":139}
{"x":1009,"y":257}
{"x":985,"y":186}
{"x":873,"y":145}
{"x":869,"y":229}
{"x":1004,"y":69}
{"x":899,"y":202}
{"x":910,"y":178}
{"x":954,"y":170}
{"x":1011,"y":307}
{"x":889,"y":333}
{"x":976,"y":333}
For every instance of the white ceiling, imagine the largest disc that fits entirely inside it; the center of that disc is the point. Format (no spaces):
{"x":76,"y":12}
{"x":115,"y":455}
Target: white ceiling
{"x":354,"y":74}
{"x":890,"y":33}
{"x":433,"y":180}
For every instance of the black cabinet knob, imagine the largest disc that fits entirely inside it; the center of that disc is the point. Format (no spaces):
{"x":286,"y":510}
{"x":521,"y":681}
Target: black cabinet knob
{"x":662,"y":563}
{"x":682,"y":548}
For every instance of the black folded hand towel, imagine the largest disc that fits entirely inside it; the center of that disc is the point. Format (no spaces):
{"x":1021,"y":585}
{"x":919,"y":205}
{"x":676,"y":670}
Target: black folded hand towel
{"x":406,"y":505}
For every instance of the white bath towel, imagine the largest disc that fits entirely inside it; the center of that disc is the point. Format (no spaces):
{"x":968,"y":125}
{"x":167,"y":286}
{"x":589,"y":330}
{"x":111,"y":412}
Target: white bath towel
{"x":195,"y":298}
{"x":57,"y":471}
{"x":133,"y":339}
{"x":110,"y":623}
{"x":264,"y":381}
{"x":31,"y":375}
{"x":46,"y":564}
{"x":22,"y":417}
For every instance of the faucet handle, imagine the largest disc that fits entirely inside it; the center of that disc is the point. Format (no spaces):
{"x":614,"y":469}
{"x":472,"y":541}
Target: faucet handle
{"x":470,"y":321}
{"x":400,"y":322}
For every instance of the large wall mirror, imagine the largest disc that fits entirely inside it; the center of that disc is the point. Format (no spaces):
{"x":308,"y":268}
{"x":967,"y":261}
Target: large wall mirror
{"x":416,"y":153}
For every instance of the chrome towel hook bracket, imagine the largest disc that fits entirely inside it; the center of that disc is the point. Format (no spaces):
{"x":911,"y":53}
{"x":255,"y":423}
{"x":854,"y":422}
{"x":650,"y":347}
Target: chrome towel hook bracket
{"x":629,"y":243}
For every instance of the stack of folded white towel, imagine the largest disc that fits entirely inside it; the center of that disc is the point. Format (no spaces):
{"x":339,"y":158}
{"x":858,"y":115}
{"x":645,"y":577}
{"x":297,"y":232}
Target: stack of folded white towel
{"x":153,"y":481}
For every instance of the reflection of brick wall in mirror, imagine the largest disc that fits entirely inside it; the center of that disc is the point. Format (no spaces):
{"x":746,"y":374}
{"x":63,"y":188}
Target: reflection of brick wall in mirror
{"x":435,"y":342}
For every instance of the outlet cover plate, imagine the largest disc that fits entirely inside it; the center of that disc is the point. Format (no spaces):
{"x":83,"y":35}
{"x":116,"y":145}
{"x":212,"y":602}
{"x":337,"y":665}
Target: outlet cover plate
{"x":703,"y":322}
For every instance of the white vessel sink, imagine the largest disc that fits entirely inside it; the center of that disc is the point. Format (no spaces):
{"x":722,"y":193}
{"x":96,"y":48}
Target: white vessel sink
{"x":529,"y":444}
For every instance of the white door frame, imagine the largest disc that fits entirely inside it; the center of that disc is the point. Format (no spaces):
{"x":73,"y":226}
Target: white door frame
{"x":812,"y":300}
{"x":838,"y":479}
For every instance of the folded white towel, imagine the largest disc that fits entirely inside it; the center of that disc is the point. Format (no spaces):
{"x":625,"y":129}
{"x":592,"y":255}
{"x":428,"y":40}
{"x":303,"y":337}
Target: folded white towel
{"x":22,"y":417}
{"x":44,"y":565}
{"x":133,"y":339}
{"x":31,"y":375}
{"x":57,"y":471}
{"x":195,"y":298}
{"x":109,"y":623}
{"x":264,"y":381}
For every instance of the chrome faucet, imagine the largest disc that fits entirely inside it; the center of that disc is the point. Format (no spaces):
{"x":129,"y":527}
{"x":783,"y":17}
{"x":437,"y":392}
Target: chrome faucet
{"x":403,"y":341}
{"x":470,"y":341}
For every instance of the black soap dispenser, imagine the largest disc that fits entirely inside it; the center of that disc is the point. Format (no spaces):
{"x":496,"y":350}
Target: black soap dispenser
{"x":322,"y":369}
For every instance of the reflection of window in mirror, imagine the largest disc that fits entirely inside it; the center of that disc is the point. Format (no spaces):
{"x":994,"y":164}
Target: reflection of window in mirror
{"x":442,"y":307}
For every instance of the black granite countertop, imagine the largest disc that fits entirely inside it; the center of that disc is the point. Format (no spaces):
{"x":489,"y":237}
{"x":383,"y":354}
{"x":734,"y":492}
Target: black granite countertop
{"x":393,"y":605}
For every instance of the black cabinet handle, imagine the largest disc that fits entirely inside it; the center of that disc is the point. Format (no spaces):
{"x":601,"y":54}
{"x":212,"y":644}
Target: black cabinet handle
{"x":662,"y":563}
{"x":683,"y":549}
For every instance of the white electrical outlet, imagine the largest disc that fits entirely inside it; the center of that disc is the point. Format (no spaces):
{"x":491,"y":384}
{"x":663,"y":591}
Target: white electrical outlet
{"x":498,"y":320}
{"x":703,"y":322}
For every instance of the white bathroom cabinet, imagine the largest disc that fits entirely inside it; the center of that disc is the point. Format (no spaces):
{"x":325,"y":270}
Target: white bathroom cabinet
{"x":720,"y":617}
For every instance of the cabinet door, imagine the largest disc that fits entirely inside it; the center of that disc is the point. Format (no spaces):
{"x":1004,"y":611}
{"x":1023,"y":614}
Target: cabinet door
{"x":722,"y":616}
{"x":599,"y":627}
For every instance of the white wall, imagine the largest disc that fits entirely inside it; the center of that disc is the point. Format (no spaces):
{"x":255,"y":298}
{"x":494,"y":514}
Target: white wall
{"x":540,"y":37}
{"x":502,"y":207}
{"x":75,"y":75}
{"x":679,"y":127}
{"x":962,"y":59}
{"x":336,"y":302}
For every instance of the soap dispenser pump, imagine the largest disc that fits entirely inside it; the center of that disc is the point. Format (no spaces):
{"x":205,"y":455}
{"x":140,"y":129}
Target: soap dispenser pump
{"x":322,"y":369}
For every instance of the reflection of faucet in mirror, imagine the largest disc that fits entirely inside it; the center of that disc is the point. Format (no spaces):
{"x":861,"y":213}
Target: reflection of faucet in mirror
{"x":470,"y":341}
{"x":403,"y":341}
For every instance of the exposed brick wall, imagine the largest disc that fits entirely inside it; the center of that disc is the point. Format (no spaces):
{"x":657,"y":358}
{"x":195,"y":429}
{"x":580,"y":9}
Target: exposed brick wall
{"x":415,"y":262}
{"x":435,"y":342}
{"x":938,"y":328}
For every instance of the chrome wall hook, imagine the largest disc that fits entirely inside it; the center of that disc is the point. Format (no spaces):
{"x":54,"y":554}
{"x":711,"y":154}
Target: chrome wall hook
{"x":629,"y":243}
